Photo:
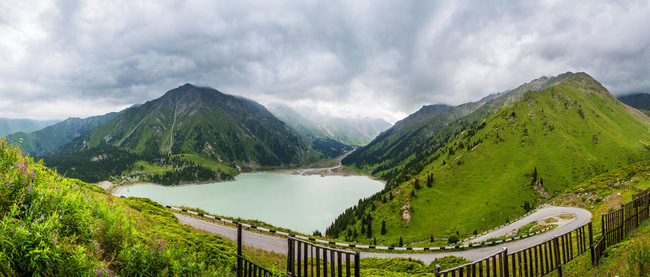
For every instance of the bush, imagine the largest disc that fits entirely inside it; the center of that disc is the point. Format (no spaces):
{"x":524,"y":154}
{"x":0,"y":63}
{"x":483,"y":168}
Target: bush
{"x":453,"y":239}
{"x":447,"y":262}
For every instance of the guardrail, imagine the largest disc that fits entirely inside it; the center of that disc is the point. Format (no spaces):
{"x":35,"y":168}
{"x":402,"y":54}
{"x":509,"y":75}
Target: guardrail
{"x":359,"y":246}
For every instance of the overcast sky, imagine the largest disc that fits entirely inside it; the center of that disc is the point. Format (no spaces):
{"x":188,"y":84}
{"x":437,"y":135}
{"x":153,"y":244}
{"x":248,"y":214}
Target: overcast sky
{"x":351,"y":58}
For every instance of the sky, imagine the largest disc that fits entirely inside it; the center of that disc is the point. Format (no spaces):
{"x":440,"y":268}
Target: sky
{"x":378,"y":59}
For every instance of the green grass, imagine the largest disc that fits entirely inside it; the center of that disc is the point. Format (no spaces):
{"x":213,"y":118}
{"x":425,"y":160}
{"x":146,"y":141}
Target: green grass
{"x":569,"y":133}
{"x":212,"y":164}
{"x":52,"y":226}
{"x":403,"y":267}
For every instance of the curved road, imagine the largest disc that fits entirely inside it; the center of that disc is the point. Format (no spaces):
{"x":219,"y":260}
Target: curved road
{"x":279,"y":244}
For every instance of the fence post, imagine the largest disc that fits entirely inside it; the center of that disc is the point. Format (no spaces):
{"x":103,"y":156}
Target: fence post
{"x":602,"y":226}
{"x":289,"y":256}
{"x":636,"y":213}
{"x":556,"y":245}
{"x":437,"y":270}
{"x":591,"y":245}
{"x":239,"y":256}
{"x":357,"y":264}
{"x":505,"y":262}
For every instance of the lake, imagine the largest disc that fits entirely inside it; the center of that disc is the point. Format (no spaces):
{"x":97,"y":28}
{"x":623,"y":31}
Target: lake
{"x":302,"y":203}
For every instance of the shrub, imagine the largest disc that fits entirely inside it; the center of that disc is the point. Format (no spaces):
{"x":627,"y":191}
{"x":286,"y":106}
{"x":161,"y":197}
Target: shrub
{"x":447,"y":262}
{"x":453,"y":239}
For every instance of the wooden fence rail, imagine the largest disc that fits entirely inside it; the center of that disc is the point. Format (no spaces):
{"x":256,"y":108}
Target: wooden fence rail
{"x":308,"y":259}
{"x":492,"y":265}
{"x":246,"y":268}
{"x":537,"y":260}
{"x":617,"y":224}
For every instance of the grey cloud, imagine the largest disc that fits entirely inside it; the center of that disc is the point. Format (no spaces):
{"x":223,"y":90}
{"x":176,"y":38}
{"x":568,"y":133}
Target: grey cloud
{"x":386,"y":57}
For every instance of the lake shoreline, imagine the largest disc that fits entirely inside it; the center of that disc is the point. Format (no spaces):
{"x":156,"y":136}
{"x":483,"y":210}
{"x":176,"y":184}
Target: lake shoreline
{"x":266,"y":196}
{"x":326,"y":171}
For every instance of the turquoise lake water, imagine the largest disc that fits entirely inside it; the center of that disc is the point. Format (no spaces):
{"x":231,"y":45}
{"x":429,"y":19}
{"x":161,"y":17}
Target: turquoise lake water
{"x":298,"y":202}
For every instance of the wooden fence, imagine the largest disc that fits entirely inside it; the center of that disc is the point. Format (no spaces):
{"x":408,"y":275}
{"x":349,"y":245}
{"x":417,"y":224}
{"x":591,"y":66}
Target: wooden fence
{"x":492,"y":265}
{"x":308,"y":259}
{"x":244,"y":266}
{"x":617,"y":224}
{"x":537,"y":260}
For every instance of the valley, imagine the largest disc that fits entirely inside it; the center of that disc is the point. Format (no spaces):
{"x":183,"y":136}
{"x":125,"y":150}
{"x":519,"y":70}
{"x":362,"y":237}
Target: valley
{"x":444,"y":172}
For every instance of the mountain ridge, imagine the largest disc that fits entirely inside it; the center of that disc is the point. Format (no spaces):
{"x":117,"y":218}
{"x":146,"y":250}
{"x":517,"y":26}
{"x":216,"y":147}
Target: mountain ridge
{"x":526,"y":151}
{"x":49,"y":139}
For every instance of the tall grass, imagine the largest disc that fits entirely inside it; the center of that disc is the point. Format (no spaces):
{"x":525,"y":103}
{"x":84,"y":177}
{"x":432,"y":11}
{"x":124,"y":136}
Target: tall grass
{"x":53,"y":226}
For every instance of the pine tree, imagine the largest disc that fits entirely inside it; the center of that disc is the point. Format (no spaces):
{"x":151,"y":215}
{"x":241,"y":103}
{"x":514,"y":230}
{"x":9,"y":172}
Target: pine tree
{"x":401,"y":242}
{"x":369,"y":230}
{"x":383,"y":227}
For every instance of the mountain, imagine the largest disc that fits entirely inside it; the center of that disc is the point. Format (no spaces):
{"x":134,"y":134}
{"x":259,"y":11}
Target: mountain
{"x":418,"y":136}
{"x":190,"y":127}
{"x":11,"y":125}
{"x":50,"y":138}
{"x":350,"y":131}
{"x":568,"y":131}
{"x":640,"y":101}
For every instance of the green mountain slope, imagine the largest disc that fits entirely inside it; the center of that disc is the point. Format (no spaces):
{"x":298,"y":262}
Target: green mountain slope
{"x":530,"y":150}
{"x":419,"y":135}
{"x":350,"y":131}
{"x":190,"y":134}
{"x":193,"y":120}
{"x":11,"y":125}
{"x":50,"y":138}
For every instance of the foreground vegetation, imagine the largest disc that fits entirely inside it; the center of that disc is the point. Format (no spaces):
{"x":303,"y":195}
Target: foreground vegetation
{"x":628,"y":258}
{"x":52,"y":226}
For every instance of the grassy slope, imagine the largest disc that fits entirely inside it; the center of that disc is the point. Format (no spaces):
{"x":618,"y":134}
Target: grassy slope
{"x":485,"y":186}
{"x":204,"y":122}
{"x":56,"y":226}
{"x":48,"y":139}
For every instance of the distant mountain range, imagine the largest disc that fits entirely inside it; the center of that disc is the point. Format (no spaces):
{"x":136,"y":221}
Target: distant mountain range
{"x":48,"y":139}
{"x":190,"y":127}
{"x":475,"y":166}
{"x":640,"y":101}
{"x":10,"y":125}
{"x":350,"y":131}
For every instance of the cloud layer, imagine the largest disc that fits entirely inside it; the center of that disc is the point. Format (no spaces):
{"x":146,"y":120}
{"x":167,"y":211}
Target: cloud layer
{"x":349,"y":58}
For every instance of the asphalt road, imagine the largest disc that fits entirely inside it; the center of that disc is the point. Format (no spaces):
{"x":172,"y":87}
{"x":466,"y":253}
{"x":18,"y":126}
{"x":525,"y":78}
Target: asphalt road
{"x":279,"y":244}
